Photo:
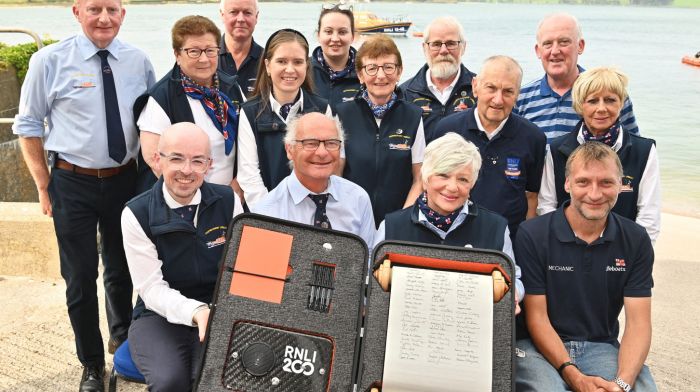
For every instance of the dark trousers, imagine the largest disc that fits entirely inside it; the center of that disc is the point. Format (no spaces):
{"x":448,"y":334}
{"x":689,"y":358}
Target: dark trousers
{"x":80,"y":205}
{"x":168,"y":355}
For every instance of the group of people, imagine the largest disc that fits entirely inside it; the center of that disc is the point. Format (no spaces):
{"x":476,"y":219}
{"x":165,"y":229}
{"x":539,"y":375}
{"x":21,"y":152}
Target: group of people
{"x":327,"y":137}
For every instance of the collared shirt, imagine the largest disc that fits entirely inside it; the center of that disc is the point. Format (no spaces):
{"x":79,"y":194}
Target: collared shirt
{"x":145,"y":266}
{"x":247,"y":73}
{"x":348,"y":209}
{"x":584,"y":284}
{"x":507,"y":244}
{"x":493,"y":133}
{"x":64,"y":86}
{"x":648,"y":198}
{"x":444,"y":95}
{"x":554,"y":114}
{"x":249,"y":176}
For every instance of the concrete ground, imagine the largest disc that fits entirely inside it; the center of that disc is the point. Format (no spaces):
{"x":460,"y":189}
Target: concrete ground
{"x":37,"y":352}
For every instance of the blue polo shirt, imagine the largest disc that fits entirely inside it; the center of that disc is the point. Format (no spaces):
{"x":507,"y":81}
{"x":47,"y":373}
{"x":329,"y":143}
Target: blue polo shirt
{"x":585,"y":284}
{"x":513,"y":162}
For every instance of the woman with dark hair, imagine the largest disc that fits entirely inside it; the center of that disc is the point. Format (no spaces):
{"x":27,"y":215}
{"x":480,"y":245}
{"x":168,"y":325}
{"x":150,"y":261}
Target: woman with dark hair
{"x":283,"y":90}
{"x":333,"y":61}
{"x":385,"y":135}
{"x":193,"y":91}
{"x":598,"y":96}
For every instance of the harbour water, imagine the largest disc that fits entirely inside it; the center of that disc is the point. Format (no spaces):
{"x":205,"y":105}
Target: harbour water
{"x":647,"y":43}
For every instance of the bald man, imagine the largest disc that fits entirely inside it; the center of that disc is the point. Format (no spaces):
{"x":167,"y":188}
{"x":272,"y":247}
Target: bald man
{"x":173,"y":238}
{"x":512,"y":148}
{"x":311,"y":193}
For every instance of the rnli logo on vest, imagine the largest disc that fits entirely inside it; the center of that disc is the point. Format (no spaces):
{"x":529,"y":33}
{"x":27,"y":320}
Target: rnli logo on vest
{"x":512,"y":168}
{"x":619,"y":266}
{"x":462,"y":103}
{"x":627,"y":184}
{"x":218,"y":241}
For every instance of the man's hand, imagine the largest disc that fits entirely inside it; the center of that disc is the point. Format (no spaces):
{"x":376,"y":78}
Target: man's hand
{"x":580,"y":382}
{"x":201,"y":318}
{"x":45,"y":202}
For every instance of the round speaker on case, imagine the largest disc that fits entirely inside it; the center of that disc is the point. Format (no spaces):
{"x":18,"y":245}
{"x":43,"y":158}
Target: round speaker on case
{"x":258,"y":359}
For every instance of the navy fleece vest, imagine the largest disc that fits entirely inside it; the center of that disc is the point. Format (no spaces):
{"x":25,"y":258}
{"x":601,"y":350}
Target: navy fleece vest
{"x":633,"y":154}
{"x":379,"y":158}
{"x":190,"y":255}
{"x":269,"y":129}
{"x":481,"y":229}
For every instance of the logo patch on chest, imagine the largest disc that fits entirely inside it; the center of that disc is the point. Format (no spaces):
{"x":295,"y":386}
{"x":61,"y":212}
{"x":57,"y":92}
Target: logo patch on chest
{"x":512,"y":171}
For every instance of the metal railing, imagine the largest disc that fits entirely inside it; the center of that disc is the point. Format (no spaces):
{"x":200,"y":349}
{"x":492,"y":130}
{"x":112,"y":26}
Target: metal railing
{"x":39,"y":44}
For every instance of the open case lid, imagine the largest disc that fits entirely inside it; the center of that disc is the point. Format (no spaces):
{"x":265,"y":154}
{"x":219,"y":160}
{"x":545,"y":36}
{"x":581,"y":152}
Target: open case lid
{"x":372,"y":352}
{"x":266,"y":301}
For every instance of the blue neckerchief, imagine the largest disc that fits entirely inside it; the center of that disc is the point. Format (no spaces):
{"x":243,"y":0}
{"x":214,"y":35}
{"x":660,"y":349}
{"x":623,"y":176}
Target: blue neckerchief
{"x":334,"y":75}
{"x":442,"y":222}
{"x":379,"y":110}
{"x":609,"y":138}
{"x":217,"y":106}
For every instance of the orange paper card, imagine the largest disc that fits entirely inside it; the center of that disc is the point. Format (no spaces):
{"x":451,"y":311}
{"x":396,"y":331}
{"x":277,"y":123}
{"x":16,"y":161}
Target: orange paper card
{"x":261,"y":265}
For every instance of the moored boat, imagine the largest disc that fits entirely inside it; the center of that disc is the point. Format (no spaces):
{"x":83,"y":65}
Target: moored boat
{"x":691,"y":60}
{"x":369,"y":23}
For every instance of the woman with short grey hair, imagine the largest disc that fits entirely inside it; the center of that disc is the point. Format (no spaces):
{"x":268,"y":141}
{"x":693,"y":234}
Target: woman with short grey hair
{"x":443,"y":213}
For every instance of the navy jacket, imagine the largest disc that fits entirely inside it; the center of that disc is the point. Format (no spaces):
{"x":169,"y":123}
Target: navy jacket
{"x":415,"y":91}
{"x":379,"y":158}
{"x":248,"y":72}
{"x":337,"y":91}
{"x":269,"y":130}
{"x":190,"y":255}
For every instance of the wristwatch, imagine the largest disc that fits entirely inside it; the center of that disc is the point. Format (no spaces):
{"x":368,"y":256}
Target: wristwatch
{"x":622,"y":384}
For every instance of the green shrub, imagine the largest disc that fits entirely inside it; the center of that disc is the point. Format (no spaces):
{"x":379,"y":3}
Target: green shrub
{"x":18,"y":56}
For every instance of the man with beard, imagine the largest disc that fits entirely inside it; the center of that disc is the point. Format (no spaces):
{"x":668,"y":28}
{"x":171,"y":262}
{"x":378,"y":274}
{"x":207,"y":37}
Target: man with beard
{"x":581,"y":264}
{"x":547,"y":101}
{"x":443,"y":85}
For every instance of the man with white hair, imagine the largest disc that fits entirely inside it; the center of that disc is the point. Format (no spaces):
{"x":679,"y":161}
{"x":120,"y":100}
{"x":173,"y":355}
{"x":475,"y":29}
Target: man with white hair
{"x":443,"y":85}
{"x":239,"y":53}
{"x":547,"y":100}
{"x":311,"y":193}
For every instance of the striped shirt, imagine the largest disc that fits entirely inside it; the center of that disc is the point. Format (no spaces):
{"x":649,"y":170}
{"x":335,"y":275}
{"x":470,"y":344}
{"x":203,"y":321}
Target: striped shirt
{"x":554,"y":114}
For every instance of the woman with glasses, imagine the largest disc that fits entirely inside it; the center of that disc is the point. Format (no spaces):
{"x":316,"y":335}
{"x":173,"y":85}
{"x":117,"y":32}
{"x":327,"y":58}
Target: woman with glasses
{"x":385,"y":140}
{"x":193,"y":91}
{"x":443,"y":214}
{"x":283,"y":90}
{"x":334,"y":61}
{"x":598,"y":96}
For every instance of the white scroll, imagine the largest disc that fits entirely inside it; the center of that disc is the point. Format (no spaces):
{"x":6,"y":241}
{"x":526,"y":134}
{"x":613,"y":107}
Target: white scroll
{"x":440,"y":330}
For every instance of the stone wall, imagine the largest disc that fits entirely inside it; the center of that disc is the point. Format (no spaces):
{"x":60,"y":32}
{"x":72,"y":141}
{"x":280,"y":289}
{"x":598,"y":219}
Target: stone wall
{"x":17,"y":184}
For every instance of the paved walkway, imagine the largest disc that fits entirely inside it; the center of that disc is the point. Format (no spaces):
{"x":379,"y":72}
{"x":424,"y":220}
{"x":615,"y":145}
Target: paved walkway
{"x":37,"y":351}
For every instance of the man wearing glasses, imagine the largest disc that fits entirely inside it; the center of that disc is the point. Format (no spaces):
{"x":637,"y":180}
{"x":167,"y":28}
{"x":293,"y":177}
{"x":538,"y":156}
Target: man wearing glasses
{"x":173,"y":239}
{"x":443,"y":85}
{"x":311,"y":194}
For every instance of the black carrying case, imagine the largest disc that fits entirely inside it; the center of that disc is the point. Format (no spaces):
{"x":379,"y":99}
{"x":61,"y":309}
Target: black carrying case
{"x":354,"y":330}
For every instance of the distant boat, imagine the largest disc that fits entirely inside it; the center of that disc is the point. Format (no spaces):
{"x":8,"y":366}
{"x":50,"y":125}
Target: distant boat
{"x":369,"y":23}
{"x":690,"y":60}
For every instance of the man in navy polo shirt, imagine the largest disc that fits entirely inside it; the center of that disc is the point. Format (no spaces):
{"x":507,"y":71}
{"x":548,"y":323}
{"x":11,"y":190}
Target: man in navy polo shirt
{"x":511,"y":147}
{"x":580,"y":265}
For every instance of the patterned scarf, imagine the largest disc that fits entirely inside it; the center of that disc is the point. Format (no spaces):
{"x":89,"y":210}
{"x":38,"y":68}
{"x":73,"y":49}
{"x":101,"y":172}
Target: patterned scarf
{"x":334,"y":75}
{"x":284,"y":109}
{"x":442,"y":222}
{"x":379,"y":110}
{"x":609,"y":138}
{"x":217,"y":105}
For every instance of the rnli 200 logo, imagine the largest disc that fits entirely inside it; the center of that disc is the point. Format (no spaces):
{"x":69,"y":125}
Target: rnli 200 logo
{"x":296,"y":360}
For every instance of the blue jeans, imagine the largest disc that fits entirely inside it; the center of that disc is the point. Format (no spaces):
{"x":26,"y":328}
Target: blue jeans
{"x":534,"y":373}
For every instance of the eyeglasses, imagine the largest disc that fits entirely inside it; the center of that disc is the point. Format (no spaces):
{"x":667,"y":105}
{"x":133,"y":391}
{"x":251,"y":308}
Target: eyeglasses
{"x":313,"y":144}
{"x":342,"y":7}
{"x":388,"y":68}
{"x":437,"y":45}
{"x":178,"y":162}
{"x":195,"y":53}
